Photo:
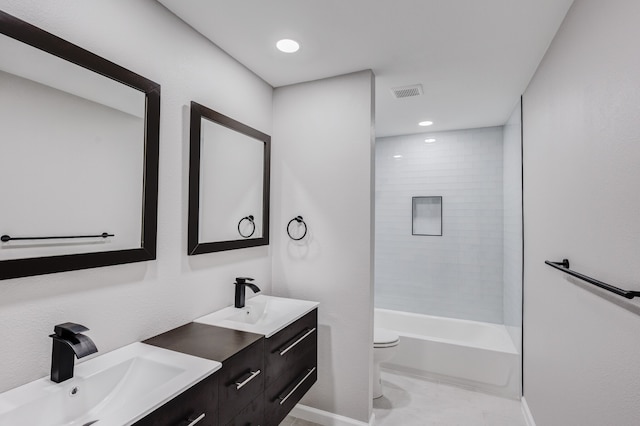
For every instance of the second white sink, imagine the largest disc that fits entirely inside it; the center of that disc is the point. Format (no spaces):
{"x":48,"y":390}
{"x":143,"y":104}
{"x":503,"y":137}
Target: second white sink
{"x":262,"y":314}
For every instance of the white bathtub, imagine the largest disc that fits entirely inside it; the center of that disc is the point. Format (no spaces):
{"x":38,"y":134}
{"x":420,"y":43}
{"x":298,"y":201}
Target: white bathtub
{"x":473,"y":354}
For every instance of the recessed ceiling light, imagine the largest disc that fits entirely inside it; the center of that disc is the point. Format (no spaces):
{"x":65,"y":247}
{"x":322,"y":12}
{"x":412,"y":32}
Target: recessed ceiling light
{"x":425,"y":123}
{"x":430,"y":140}
{"x":288,"y":46}
{"x":397,"y":156}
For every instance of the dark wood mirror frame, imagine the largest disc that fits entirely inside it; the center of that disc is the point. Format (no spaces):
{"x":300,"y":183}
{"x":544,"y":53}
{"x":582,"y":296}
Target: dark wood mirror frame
{"x":38,"y":38}
{"x":194,"y":246}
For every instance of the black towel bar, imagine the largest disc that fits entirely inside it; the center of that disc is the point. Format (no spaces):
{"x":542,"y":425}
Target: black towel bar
{"x":6,"y":238}
{"x":564,"y":267}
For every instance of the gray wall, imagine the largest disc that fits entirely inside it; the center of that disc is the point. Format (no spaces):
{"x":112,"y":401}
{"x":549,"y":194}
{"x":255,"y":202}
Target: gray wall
{"x":458,"y":274}
{"x":322,"y":170}
{"x":581,"y":174}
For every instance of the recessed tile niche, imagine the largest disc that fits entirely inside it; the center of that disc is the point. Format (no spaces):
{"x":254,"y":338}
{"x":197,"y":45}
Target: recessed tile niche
{"x":427,"y":216}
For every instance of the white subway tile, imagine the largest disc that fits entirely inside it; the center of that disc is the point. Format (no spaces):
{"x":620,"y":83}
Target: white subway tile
{"x":459,"y":274}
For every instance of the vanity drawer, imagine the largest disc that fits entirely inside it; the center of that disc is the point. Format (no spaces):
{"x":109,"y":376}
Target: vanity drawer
{"x":241,"y":379}
{"x":198,"y":402}
{"x":286,"y":347}
{"x":251,"y":415}
{"x":287,"y":390}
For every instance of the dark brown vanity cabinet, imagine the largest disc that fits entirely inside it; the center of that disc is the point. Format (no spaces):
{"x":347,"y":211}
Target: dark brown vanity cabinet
{"x":259,"y":383}
{"x":289,"y":369}
{"x":240,"y":381}
{"x":251,"y":415}
{"x":291,"y":358}
{"x":241,"y":386}
{"x":197,"y":405}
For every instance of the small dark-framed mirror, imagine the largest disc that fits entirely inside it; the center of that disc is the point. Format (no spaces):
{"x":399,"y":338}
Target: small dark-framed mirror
{"x":229,"y":168}
{"x":79,"y":182}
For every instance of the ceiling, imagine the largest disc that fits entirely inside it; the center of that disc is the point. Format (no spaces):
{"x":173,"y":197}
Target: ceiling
{"x":473,"y":57}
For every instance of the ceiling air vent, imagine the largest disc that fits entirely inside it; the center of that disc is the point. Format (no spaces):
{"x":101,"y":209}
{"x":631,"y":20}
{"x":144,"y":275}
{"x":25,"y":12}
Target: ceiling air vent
{"x":407,"y":91}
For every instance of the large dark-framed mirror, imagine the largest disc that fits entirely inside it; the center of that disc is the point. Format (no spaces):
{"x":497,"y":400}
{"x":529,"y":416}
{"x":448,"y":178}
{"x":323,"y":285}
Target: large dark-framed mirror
{"x":229,"y":167}
{"x":80,"y":150}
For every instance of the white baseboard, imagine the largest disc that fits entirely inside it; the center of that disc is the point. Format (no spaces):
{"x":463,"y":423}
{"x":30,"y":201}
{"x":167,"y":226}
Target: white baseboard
{"x":326,"y":418}
{"x":527,"y":413}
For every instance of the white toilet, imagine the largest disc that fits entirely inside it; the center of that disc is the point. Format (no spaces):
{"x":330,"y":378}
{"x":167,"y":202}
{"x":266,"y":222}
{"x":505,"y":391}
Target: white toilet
{"x":384,"y":347}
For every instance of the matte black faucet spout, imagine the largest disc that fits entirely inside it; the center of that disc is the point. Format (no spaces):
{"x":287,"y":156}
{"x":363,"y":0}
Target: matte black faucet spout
{"x":241,"y":283}
{"x":67,"y":344}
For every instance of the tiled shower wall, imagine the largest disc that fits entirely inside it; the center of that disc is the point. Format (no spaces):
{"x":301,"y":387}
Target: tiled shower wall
{"x":460,"y":273}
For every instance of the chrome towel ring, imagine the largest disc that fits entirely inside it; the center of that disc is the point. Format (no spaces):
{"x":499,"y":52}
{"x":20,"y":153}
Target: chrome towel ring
{"x":251,"y":221}
{"x":300,"y":221}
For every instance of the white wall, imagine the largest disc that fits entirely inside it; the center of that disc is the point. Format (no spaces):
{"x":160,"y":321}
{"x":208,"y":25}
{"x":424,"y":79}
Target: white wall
{"x":322,"y":169}
{"x":581,"y":174}
{"x":512,"y":242}
{"x":458,"y":274}
{"x":127,"y":303}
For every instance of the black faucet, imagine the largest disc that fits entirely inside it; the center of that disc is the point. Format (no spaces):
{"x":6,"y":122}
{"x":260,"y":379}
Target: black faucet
{"x":241,"y":283}
{"x":67,"y":343}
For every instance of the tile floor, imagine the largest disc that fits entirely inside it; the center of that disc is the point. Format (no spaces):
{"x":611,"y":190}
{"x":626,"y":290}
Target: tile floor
{"x":292,"y":421}
{"x":411,"y":401}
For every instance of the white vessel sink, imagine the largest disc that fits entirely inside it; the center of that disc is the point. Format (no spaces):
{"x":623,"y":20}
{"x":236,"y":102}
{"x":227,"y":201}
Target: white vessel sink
{"x":262,"y":314}
{"x":114,"y":389}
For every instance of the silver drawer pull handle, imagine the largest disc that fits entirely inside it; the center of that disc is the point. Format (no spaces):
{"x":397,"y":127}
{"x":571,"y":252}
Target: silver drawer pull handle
{"x":197,"y":419}
{"x":239,"y":385}
{"x":309,"y":372}
{"x":297,"y":341}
